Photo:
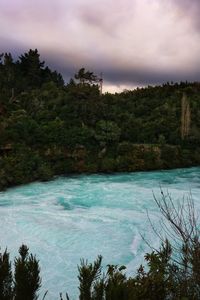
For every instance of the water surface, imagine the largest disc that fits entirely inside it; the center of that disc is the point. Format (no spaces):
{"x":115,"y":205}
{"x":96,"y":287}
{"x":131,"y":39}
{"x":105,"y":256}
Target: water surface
{"x":82,"y":216}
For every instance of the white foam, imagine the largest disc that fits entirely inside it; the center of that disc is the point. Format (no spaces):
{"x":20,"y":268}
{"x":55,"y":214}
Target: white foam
{"x":80,"y":217}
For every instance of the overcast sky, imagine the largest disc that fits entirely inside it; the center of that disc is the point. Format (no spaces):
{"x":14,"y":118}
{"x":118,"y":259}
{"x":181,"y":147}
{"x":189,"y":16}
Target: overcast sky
{"x":133,"y":42}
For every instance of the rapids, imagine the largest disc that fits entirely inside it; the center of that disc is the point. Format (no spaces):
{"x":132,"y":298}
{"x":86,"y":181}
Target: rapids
{"x":77,"y":217}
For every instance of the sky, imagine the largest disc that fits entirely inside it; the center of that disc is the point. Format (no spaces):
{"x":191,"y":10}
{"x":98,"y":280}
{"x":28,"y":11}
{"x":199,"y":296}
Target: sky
{"x":133,"y":43}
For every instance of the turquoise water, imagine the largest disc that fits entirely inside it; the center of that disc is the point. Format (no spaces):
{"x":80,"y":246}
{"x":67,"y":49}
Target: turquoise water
{"x":82,"y":216}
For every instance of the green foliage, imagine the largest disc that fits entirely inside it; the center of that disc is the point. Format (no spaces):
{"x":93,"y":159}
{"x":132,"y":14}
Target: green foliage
{"x":156,"y":283}
{"x":132,"y":130}
{"x":172,"y":272}
{"x":27,"y":279}
{"x":6,"y":291}
{"x":162,"y":280}
{"x":89,"y":279}
{"x":25,"y":282}
{"x":108,"y":164}
{"x":107,"y":132}
{"x":85,"y":77}
{"x":161,"y":140}
{"x":44,"y":172}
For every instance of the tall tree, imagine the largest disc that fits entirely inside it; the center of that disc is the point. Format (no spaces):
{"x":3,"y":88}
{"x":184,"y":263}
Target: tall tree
{"x":5,"y":277}
{"x":30,"y":68}
{"x":9,"y":71}
{"x":27,"y":275}
{"x":86,"y":77}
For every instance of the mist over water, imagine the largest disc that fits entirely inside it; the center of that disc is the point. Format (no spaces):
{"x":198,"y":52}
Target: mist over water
{"x":77,"y":217}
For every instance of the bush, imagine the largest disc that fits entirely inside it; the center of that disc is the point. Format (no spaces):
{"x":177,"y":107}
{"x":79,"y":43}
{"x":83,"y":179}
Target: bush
{"x":26,"y":281}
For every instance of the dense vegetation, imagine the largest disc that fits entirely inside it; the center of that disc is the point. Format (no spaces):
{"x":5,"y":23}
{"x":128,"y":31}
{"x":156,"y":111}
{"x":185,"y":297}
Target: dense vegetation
{"x":172,"y":272}
{"x":48,"y":127}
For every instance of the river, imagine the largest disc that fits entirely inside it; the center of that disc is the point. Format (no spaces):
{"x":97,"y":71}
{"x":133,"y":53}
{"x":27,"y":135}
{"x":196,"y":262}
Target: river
{"x":77,"y":217}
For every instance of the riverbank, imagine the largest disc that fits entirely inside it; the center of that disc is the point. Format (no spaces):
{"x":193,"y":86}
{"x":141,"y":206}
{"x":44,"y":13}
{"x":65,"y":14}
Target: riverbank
{"x":22,"y":165}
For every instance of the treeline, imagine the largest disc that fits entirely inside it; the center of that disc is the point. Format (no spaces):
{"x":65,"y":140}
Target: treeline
{"x":48,"y":127}
{"x":172,"y":272}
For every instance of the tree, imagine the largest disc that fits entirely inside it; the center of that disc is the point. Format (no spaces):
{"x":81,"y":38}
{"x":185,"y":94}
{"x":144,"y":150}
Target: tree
{"x":33,"y":72}
{"x":26,"y":281}
{"x":107,"y":132}
{"x":85,"y":77}
{"x":173,"y":270}
{"x":27,"y":275}
{"x":6,"y":290}
{"x":185,"y":117}
{"x":180,"y":225}
{"x":88,"y":276}
{"x":9,"y":69}
{"x":30,"y":62}
{"x":30,"y":67}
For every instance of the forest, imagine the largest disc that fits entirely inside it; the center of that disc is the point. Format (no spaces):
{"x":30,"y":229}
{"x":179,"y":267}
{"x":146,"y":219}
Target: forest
{"x":49,"y":127}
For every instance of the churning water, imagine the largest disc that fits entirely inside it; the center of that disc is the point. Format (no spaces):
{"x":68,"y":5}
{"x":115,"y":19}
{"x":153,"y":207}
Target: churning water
{"x":82,"y":216}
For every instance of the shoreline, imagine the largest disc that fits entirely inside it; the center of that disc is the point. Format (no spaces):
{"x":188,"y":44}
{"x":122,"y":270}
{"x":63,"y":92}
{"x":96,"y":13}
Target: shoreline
{"x":109,"y":173}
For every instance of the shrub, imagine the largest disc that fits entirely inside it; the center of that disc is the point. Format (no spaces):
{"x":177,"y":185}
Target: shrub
{"x":25,"y":282}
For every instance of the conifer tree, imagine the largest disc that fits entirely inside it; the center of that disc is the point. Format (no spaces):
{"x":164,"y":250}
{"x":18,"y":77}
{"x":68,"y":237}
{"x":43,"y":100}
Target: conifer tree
{"x":27,"y":275}
{"x":5,"y":277}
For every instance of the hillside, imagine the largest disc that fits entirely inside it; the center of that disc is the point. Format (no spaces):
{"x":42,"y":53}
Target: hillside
{"x":50,"y":128}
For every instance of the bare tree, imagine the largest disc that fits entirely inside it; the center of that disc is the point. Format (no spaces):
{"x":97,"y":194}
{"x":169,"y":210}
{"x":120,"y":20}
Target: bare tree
{"x":185,"y":117}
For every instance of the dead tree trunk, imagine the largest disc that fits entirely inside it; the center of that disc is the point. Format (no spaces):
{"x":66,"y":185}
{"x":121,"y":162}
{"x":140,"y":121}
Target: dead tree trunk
{"x":185,"y":117}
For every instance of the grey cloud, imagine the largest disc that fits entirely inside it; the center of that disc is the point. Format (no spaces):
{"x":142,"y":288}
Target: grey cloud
{"x":146,"y":77}
{"x":190,"y":9}
{"x":139,"y":76}
{"x":133,"y":42}
{"x":13,"y":46}
{"x":118,"y":76}
{"x":107,"y":16}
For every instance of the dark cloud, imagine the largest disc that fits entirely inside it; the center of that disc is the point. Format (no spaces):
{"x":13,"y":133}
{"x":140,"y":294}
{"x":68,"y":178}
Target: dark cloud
{"x":13,"y":46}
{"x":146,"y":77}
{"x":133,"y":42}
{"x":121,"y":76}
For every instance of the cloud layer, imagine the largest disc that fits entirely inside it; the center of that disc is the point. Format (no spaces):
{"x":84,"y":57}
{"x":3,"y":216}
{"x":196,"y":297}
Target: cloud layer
{"x":133,"y":42}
